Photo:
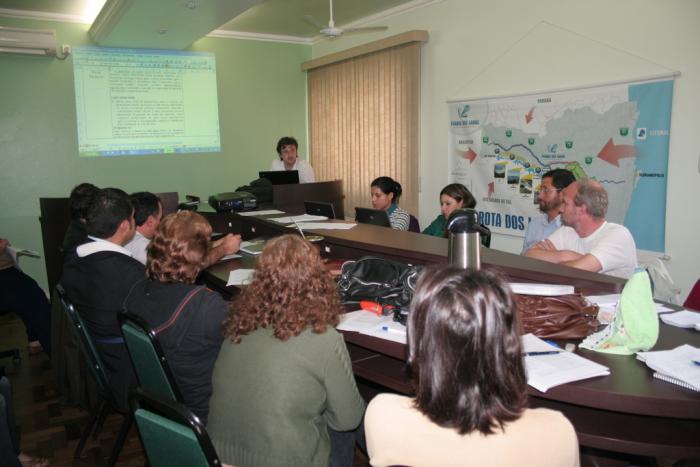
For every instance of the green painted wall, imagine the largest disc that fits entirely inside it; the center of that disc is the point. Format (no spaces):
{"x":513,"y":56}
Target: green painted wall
{"x":262,"y":96}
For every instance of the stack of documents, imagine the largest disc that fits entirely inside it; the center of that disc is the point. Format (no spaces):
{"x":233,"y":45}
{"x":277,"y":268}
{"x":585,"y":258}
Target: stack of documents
{"x":240,"y":277}
{"x":609,"y":303}
{"x":546,"y":369}
{"x":368,"y":323}
{"x":260,"y":213}
{"x":253,"y":248}
{"x":528,"y":288}
{"x":679,"y":366}
{"x":299,"y":218}
{"x":682,"y":319}
{"x":324,"y":225}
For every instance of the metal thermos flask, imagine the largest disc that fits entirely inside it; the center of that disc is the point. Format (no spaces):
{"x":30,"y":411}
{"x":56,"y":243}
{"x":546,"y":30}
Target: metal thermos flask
{"x":464,"y":248}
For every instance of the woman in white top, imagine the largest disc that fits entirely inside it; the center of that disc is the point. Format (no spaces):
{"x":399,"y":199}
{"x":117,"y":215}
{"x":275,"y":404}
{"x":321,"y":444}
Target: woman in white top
{"x":470,"y":405}
{"x":385,"y":196}
{"x":289,"y":160}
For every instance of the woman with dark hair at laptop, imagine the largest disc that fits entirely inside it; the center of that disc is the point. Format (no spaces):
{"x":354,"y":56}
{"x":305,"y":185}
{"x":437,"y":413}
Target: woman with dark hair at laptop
{"x":284,"y":391}
{"x":385,"y":196}
{"x":289,"y":160}
{"x":470,"y":405}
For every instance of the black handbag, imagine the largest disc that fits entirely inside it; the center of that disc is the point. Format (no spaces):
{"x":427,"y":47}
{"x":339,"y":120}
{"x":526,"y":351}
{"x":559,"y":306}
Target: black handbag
{"x":388,"y":283}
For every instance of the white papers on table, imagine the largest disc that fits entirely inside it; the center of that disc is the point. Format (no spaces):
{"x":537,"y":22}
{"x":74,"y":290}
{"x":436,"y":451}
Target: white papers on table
{"x":609,"y":303}
{"x":371,"y":324}
{"x":546,"y":371}
{"x":324,"y":225}
{"x":675,"y":366}
{"x":532,"y":343}
{"x":253,"y":248}
{"x":240,"y":276}
{"x":682,"y":319}
{"x":660,"y":308}
{"x":228,"y":257}
{"x":605,"y":301}
{"x":527,"y":288}
{"x":299,"y":218}
{"x":260,"y":213}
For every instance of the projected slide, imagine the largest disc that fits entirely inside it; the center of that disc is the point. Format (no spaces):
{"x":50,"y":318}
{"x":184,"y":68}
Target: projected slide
{"x":139,"y":101}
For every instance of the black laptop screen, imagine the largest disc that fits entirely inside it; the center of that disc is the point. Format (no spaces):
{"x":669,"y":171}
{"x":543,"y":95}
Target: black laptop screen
{"x":281,"y":177}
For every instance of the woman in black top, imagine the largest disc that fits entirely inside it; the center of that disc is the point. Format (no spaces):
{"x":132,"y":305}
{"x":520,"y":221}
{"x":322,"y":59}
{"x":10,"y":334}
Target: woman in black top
{"x":186,"y":318}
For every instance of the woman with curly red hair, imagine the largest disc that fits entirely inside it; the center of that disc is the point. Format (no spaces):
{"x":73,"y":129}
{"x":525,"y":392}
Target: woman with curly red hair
{"x":283,"y":377}
{"x":187,"y":318}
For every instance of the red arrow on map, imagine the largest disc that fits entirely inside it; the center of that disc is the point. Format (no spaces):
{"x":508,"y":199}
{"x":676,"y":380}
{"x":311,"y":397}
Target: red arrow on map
{"x":469,"y":154}
{"x":528,"y":116}
{"x":612,"y":153}
{"x":490,"y":192}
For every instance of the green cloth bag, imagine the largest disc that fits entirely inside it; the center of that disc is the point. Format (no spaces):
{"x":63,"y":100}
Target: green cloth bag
{"x":635,"y":326}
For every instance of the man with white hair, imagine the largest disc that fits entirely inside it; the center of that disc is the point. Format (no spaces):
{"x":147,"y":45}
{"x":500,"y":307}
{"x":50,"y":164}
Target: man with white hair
{"x":586,"y":240}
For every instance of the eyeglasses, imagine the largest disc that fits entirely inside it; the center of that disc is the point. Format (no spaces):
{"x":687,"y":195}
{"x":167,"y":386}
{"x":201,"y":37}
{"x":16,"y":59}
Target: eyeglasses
{"x":548,"y":190}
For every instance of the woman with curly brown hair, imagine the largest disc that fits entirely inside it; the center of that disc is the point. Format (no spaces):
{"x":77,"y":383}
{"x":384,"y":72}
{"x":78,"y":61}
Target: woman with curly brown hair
{"x":283,"y":377}
{"x":187,"y":318}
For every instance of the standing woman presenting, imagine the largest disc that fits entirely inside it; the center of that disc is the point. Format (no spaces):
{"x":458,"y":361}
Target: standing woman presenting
{"x":385,"y":196}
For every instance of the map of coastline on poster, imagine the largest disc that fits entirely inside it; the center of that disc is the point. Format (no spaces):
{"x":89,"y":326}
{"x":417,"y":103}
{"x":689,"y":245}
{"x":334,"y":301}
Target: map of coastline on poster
{"x":617,"y":134}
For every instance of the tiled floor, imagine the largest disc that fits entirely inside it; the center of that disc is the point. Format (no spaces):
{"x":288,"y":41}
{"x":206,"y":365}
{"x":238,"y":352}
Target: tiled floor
{"x":48,"y":428}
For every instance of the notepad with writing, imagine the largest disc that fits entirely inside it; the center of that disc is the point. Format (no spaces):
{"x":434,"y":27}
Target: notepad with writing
{"x":675,"y":366}
{"x":547,"y":371}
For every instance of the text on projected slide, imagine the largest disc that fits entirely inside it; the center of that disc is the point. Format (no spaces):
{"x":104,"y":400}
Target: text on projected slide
{"x":140,"y":101}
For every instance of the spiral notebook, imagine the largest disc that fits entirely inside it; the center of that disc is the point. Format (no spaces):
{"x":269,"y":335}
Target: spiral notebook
{"x":676,"y":381}
{"x":676,"y":366}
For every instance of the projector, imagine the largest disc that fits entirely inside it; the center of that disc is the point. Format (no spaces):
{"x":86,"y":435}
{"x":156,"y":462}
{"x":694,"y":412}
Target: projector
{"x":233,"y":202}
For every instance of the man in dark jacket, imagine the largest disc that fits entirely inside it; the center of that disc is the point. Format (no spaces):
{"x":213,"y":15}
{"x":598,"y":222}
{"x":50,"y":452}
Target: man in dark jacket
{"x":100,"y":278}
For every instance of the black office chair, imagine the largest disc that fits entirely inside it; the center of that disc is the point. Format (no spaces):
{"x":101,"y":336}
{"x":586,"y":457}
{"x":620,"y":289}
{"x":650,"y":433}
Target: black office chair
{"x":106,"y":399}
{"x":486,"y":238}
{"x":413,"y":225}
{"x":171,"y":434}
{"x":149,"y":361}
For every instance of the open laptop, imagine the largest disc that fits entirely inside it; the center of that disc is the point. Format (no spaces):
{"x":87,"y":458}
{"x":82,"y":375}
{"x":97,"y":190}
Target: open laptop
{"x":319,"y":208}
{"x":280,"y":177}
{"x":372,"y":216}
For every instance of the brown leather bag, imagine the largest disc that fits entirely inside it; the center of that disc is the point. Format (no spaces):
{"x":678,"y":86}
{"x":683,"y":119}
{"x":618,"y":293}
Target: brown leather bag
{"x":561,"y":317}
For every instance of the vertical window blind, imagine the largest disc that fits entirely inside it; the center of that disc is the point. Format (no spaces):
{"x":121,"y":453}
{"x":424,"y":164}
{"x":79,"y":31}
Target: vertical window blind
{"x":364,"y":122}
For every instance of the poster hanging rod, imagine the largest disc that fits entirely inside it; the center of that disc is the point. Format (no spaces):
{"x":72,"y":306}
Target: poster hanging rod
{"x":657,"y":77}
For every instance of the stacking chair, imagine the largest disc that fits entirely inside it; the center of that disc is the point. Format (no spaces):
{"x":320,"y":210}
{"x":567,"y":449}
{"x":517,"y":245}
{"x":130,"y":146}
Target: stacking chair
{"x":149,"y":362}
{"x":170,"y":433}
{"x":106,"y":399}
{"x":486,"y":238}
{"x":413,"y":225}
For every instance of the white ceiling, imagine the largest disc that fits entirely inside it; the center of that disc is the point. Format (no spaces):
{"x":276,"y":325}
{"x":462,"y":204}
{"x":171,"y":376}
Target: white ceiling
{"x":177,"y":23}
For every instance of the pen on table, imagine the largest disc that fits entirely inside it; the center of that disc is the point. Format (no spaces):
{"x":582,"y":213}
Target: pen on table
{"x":548,"y":352}
{"x":392,"y":330}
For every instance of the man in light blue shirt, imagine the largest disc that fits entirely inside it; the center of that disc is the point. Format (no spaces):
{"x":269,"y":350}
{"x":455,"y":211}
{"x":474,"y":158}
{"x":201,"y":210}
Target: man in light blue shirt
{"x":541,"y":227}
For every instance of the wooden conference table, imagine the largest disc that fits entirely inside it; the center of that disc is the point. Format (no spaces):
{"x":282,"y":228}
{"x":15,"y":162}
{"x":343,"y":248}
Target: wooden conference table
{"x":628,"y":411}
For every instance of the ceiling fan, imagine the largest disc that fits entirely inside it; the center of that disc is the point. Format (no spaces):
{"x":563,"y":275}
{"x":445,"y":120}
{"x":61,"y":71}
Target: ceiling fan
{"x":332,"y":31}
